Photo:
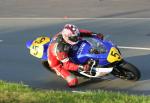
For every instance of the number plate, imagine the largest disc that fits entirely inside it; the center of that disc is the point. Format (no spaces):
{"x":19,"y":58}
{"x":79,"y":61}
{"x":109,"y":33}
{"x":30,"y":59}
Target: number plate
{"x":36,"y":49}
{"x":114,"y":55}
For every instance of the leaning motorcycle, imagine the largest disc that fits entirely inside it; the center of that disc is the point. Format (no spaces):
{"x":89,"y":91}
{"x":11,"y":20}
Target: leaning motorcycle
{"x":103,"y":55}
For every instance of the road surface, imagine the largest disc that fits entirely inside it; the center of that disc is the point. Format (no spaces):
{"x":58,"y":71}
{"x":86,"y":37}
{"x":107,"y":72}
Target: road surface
{"x":75,"y":8}
{"x":17,"y":65}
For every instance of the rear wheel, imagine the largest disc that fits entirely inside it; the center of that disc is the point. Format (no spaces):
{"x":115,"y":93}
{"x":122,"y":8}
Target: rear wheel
{"x":126,"y":71}
{"x":46,"y":65}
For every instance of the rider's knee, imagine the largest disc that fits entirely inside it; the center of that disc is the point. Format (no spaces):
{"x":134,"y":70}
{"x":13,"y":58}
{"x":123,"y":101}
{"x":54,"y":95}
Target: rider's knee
{"x":73,"y":82}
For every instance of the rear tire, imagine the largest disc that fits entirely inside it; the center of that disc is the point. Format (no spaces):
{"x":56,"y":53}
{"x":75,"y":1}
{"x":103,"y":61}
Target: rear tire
{"x":46,"y":65}
{"x":126,"y":71}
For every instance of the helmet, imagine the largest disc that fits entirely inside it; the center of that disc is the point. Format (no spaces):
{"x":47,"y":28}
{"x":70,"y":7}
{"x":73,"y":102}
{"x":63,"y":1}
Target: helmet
{"x":70,"y":34}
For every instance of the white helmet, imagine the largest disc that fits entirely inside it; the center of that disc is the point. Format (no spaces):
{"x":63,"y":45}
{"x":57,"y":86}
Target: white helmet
{"x":70,"y":34}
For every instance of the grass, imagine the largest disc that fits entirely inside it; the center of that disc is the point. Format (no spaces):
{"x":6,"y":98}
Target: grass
{"x":19,"y":93}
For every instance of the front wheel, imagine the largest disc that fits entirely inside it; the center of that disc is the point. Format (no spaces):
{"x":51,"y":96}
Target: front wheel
{"x":126,"y":71}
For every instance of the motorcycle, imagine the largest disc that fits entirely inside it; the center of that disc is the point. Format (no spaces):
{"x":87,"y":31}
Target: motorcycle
{"x":103,"y":56}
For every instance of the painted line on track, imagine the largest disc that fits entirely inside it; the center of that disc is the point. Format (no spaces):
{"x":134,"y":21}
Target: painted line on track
{"x":21,"y":18}
{"x":137,"y":48}
{"x":78,"y":92}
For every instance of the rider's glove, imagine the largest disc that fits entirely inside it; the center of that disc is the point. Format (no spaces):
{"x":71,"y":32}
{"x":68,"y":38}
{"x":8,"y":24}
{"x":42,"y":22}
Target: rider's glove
{"x":85,"y":67}
{"x":99,"y":35}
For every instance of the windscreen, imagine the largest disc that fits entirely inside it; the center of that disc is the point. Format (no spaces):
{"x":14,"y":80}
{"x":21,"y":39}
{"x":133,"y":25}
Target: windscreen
{"x":97,"y":46}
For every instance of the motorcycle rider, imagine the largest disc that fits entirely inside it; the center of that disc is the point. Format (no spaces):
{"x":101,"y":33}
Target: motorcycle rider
{"x":58,"y":52}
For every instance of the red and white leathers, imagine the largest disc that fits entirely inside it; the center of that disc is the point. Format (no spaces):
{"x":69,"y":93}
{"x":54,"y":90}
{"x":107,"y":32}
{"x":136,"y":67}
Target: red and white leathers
{"x":58,"y":57}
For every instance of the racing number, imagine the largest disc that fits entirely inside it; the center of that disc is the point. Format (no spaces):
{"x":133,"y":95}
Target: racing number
{"x":37,"y":48}
{"x":40,"y":40}
{"x":115,"y":54}
{"x":37,"y":51}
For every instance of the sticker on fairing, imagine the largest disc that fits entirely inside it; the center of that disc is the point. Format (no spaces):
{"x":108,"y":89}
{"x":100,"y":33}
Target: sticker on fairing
{"x":114,"y":55}
{"x":41,"y":41}
{"x":36,"y":49}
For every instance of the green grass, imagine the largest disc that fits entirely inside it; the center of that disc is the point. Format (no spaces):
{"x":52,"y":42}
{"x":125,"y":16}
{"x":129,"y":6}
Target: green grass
{"x":19,"y":93}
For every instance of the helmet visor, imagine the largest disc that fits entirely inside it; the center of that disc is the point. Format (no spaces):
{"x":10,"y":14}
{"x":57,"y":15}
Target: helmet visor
{"x":74,"y":38}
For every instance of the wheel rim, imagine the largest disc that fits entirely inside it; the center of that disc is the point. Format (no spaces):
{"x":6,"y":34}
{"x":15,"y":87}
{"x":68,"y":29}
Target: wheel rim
{"x":125,"y":74}
{"x":129,"y":75}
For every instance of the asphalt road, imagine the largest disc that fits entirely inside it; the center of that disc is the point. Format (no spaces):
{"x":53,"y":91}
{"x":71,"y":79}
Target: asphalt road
{"x":75,"y":8}
{"x":17,"y":65}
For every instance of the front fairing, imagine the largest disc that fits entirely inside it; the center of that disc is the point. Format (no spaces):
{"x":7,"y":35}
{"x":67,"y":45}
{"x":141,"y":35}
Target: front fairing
{"x":76,"y":52}
{"x":80,"y":53}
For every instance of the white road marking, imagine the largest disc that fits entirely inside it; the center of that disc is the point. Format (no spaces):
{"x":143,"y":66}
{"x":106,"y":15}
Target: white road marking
{"x":78,"y":92}
{"x":71,"y":18}
{"x":137,"y":48}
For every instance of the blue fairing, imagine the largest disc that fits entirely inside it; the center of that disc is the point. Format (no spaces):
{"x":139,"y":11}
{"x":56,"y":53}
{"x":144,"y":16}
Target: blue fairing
{"x":44,"y":57}
{"x":28,"y":44}
{"x":80,"y":53}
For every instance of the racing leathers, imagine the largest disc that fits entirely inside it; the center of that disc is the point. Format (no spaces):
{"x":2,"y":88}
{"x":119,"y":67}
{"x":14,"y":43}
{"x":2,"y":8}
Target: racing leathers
{"x":58,"y":57}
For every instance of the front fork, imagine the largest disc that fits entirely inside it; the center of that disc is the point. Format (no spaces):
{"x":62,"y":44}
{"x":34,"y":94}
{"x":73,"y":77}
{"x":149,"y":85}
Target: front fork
{"x":117,"y":69}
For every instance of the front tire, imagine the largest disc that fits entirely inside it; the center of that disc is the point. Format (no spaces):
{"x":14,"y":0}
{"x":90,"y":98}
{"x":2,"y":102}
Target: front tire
{"x":126,"y":71}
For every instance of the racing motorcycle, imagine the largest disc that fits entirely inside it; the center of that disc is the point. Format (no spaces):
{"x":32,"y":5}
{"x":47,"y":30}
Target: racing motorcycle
{"x":104,"y":56}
